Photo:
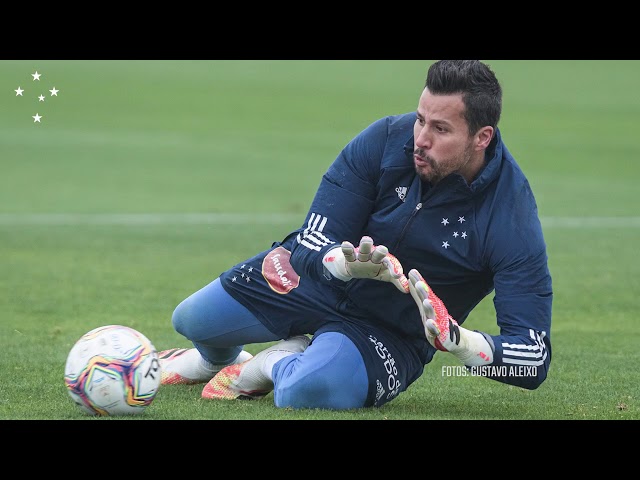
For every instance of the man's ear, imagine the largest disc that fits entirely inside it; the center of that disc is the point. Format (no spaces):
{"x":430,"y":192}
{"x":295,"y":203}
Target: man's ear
{"x":484,"y":136}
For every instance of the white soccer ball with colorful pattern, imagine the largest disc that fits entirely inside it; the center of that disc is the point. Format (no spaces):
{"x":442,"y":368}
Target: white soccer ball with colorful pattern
{"x":112,"y":370}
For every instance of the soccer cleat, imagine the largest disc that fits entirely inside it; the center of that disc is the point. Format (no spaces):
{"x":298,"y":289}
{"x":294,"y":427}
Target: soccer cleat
{"x":247,"y":380}
{"x":183,"y":366}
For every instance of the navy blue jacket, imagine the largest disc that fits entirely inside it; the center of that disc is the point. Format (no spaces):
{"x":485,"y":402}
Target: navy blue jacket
{"x":467,"y":241}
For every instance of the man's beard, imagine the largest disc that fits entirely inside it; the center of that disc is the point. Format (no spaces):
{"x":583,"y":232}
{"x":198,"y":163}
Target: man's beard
{"x":436,"y":172}
{"x":433,"y":175}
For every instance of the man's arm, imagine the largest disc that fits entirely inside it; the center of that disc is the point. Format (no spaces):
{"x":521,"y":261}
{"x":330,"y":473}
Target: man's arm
{"x":518,"y":356}
{"x":341,"y":206}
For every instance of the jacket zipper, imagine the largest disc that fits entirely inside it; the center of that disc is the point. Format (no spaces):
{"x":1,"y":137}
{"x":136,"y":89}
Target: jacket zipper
{"x":406,"y":225}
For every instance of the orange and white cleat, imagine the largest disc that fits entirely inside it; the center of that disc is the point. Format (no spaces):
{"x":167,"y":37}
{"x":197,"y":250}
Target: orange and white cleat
{"x":185,"y":366}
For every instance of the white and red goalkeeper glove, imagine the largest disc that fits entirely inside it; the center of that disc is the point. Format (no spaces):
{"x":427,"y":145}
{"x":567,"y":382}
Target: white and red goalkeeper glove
{"x":365,"y":261}
{"x":443,"y":331}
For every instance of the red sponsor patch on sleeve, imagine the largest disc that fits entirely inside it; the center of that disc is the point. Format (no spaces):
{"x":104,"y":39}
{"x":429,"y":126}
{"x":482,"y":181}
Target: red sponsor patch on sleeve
{"x":278,"y":272}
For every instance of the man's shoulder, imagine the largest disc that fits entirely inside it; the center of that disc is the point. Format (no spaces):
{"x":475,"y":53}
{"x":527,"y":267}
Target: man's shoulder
{"x":392,"y":131}
{"x":396,"y":123}
{"x":401,"y":121}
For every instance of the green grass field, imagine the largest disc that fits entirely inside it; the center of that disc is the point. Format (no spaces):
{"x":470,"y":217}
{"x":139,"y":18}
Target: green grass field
{"x":94,"y":227}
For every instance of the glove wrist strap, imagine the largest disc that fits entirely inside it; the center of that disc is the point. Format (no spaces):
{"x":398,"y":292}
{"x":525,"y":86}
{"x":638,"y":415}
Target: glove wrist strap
{"x":334,"y":262}
{"x":474,"y":349}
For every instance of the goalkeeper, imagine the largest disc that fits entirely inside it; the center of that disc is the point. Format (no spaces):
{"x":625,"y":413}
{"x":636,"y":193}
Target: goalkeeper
{"x":419,"y":218}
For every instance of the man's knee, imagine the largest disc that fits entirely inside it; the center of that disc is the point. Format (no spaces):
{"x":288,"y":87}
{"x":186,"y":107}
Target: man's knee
{"x":179,"y":319}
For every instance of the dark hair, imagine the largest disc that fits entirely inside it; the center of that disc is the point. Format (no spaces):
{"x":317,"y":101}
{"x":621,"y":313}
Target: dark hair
{"x":480,"y":89}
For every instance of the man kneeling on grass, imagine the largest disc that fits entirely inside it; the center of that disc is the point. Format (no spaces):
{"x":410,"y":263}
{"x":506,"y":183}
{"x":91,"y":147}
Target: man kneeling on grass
{"x":439,"y":193}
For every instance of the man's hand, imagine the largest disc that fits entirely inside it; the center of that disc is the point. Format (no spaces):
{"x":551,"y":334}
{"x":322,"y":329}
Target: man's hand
{"x":442,"y":331}
{"x":366,"y":261}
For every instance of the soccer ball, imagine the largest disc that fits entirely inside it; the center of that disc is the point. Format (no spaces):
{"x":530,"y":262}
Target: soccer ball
{"x":112,"y":370}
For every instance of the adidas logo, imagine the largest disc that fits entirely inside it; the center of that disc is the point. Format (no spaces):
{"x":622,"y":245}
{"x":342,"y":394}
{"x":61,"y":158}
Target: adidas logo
{"x":402,"y":192}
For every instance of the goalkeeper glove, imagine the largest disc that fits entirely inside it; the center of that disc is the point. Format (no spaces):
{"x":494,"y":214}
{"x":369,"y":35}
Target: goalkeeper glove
{"x":442,"y":331}
{"x":365,"y":261}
